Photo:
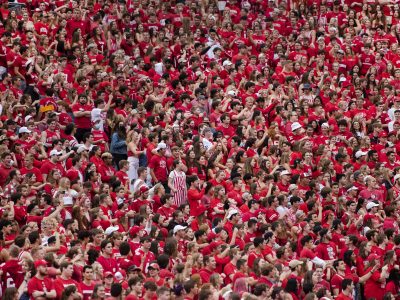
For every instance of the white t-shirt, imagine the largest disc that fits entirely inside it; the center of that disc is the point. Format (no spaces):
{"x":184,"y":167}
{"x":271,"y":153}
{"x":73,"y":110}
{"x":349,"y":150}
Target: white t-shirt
{"x":98,"y":116}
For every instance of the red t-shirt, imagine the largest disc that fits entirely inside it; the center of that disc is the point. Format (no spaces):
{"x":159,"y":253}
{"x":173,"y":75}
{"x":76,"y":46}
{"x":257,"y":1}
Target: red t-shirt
{"x":36,"y":284}
{"x":87,"y":290}
{"x":159,"y":165}
{"x":82,"y":122}
{"x":108,"y":264}
{"x":60,"y":284}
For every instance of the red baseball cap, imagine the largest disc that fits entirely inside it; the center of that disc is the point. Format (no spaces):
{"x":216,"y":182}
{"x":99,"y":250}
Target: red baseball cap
{"x":143,"y":189}
{"x":135,"y":230}
{"x":372,"y":256}
{"x":108,"y":274}
{"x":166,"y":274}
{"x":383,"y":134}
{"x":40,"y":262}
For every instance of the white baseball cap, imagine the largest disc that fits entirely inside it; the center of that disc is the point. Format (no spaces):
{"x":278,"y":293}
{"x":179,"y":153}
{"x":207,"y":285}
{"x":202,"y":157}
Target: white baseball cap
{"x":285,"y":172}
{"x":55,"y":152}
{"x":27,"y":118}
{"x":360,"y":153}
{"x":295,"y":126}
{"x":232,"y":212}
{"x":111,"y":229}
{"x":371,"y":205}
{"x":24,"y":130}
{"x":179,"y":227}
{"x":161,"y":146}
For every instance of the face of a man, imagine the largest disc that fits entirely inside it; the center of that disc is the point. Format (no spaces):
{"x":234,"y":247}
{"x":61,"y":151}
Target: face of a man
{"x":88,"y":274}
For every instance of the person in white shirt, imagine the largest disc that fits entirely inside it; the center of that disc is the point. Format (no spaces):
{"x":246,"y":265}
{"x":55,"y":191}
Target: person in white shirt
{"x":98,"y":114}
{"x":207,"y":139}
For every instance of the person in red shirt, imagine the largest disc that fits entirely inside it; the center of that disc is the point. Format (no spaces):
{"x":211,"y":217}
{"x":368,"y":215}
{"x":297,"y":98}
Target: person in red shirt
{"x":122,"y":174}
{"x":194,"y":194}
{"x":12,"y":273}
{"x":6,"y":167}
{"x":82,"y":112}
{"x":168,"y":207}
{"x":230,"y":268}
{"x":143,"y":256}
{"x":326,"y":249}
{"x":87,"y":285}
{"x":136,"y":288}
{"x":107,"y":261}
{"x":30,"y":168}
{"x":225,"y":127}
{"x":158,"y":166}
{"x":65,"y":279}
{"x":259,"y":246}
{"x":209,"y":267}
{"x":191,"y":288}
{"x":347,"y":290}
{"x":307,"y":243}
{"x":106,"y":169}
{"x":52,"y":163}
{"x":337,"y":279}
{"x":41,"y":286}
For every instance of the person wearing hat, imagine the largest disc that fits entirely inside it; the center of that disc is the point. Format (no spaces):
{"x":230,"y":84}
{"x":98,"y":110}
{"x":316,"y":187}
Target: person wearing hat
{"x":233,"y":218}
{"x":296,"y":267}
{"x":158,"y":166}
{"x":108,"y":280}
{"x":106,"y":169}
{"x":25,"y":138}
{"x":351,"y":192}
{"x":305,"y":94}
{"x":141,"y":200}
{"x":154,"y":274}
{"x":297,"y":132}
{"x":41,"y":286}
{"x":283,"y":183}
{"x":52,"y":163}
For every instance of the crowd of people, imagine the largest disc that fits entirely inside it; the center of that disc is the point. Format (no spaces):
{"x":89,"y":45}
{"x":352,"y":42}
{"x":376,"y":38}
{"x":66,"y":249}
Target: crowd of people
{"x":199,"y":150}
